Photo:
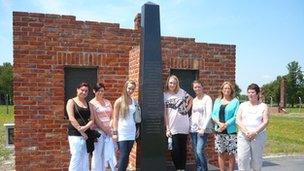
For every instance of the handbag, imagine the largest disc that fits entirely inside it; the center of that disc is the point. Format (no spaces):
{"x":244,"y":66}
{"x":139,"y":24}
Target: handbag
{"x":137,"y":113}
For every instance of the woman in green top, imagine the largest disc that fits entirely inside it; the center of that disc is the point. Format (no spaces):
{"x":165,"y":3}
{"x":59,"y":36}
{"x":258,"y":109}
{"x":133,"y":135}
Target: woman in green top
{"x":224,"y":115}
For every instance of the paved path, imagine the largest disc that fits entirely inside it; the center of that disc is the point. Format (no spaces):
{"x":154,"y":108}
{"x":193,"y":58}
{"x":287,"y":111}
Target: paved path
{"x":284,"y":163}
{"x":279,"y":163}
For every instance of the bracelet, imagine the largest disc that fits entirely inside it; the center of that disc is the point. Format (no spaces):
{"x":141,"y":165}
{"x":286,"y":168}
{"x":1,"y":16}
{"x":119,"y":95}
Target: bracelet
{"x":115,"y":132}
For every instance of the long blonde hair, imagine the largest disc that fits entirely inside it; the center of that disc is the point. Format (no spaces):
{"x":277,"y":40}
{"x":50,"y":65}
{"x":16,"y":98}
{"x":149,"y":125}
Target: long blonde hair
{"x":124,"y":99}
{"x":231,"y":87}
{"x":177,"y":83}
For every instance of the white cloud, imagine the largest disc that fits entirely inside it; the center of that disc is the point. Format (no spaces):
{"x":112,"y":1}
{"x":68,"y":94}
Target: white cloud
{"x":266,"y":77}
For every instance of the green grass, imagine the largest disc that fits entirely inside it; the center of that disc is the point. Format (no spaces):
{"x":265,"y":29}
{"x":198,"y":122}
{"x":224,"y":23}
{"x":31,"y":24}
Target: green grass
{"x":285,"y":133}
{"x":295,"y":110}
{"x":5,"y":118}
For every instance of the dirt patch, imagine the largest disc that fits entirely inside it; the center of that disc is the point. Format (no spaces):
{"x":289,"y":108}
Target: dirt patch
{"x":8,"y":164}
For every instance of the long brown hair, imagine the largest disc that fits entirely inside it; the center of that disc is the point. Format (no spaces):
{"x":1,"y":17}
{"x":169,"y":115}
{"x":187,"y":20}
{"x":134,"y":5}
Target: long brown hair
{"x":124,"y":103}
{"x":231,"y":87}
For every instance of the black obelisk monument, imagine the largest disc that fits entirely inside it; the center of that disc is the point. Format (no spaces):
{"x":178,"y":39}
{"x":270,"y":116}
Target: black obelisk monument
{"x":153,"y":142}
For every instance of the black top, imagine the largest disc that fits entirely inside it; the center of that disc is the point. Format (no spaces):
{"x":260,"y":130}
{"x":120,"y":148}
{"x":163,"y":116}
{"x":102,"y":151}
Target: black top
{"x":222,"y":117}
{"x":85,"y":113}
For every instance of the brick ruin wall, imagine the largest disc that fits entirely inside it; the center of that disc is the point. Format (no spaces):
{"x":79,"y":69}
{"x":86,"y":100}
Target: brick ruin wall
{"x":45,"y":43}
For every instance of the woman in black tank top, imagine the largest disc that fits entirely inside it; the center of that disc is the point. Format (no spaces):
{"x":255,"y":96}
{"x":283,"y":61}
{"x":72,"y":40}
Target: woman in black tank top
{"x":81,"y":120}
{"x":79,"y":114}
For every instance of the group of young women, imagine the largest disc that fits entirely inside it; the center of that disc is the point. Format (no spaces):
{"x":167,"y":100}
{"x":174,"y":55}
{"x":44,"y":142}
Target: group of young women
{"x":184,"y":115}
{"x":114,"y":124}
{"x":239,"y":128}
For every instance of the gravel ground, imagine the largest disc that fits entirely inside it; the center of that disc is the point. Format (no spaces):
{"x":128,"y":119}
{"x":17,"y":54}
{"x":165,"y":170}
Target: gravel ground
{"x":8,"y":164}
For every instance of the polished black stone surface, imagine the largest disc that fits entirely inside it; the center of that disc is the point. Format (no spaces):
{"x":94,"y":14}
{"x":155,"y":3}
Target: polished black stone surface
{"x":153,"y":141}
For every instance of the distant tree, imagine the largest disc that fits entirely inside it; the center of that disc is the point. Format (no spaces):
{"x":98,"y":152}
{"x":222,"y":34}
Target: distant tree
{"x":6,"y":81}
{"x":238,"y":94}
{"x":294,"y":82}
{"x":271,"y":91}
{"x":243,"y":98}
{"x":294,"y":86}
{"x":237,"y":91}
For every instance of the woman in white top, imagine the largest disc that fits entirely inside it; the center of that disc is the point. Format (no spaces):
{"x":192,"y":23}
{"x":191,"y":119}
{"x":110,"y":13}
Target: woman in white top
{"x":177,"y":104}
{"x":124,"y":129}
{"x":104,"y":148}
{"x":200,"y":117}
{"x":252,"y":119}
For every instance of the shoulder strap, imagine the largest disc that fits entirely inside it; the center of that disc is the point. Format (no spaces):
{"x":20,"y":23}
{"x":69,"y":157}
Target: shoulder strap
{"x":76,"y":109}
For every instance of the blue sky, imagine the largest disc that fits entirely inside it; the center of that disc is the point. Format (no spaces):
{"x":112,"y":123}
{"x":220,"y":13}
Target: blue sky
{"x":268,"y":34}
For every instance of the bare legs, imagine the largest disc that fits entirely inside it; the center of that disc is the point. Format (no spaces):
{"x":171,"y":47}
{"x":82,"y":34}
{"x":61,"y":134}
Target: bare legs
{"x":222,"y":157}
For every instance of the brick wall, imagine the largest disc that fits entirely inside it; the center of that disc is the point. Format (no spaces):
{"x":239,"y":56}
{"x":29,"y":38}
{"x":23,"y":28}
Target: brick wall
{"x":44,"y":44}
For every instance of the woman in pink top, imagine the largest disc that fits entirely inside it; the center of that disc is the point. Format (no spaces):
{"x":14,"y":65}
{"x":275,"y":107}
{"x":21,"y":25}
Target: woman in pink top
{"x":177,"y":104}
{"x":104,"y":147}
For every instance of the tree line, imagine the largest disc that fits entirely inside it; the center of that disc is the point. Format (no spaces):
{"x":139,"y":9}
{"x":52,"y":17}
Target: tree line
{"x":6,"y":83}
{"x":294,"y":86}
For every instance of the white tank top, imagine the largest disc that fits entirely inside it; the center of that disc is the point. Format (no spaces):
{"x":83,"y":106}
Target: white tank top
{"x":252,"y":116}
{"x":126,"y":126}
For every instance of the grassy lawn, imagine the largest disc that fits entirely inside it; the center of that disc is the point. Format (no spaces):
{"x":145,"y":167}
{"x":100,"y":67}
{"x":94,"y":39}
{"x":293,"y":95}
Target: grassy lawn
{"x":296,"y":110}
{"x":4,"y":118}
{"x":285,"y":133}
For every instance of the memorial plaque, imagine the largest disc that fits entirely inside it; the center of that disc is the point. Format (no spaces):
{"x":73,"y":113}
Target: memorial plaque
{"x":153,"y":142}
